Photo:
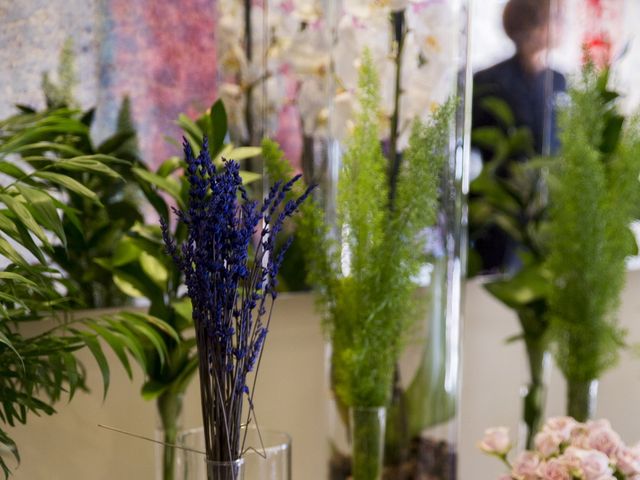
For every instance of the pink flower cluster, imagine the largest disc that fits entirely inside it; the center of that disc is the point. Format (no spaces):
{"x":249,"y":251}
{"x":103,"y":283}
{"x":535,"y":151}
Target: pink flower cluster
{"x":568,"y":450}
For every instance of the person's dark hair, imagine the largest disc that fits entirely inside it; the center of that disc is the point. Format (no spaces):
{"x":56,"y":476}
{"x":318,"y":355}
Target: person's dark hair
{"x":522,"y":17}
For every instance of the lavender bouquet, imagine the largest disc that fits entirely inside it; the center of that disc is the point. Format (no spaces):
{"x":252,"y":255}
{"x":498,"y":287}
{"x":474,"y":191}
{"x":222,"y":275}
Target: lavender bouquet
{"x":232,"y":285}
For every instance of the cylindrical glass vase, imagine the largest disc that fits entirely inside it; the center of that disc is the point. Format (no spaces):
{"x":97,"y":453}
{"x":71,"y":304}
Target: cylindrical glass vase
{"x":420,"y":54}
{"x":582,"y":399}
{"x":267,"y":456}
{"x":367,"y":430}
{"x":225,"y":470}
{"x":169,"y":408}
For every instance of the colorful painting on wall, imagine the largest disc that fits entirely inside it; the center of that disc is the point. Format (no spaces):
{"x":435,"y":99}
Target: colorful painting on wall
{"x":161,"y":54}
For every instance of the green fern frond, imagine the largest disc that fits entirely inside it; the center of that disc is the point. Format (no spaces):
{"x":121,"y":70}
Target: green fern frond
{"x":592,"y":207}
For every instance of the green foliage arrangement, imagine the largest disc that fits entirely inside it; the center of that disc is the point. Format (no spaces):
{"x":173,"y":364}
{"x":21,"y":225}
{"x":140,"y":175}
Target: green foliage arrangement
{"x":512,"y":195}
{"x":38,"y":337}
{"x":594,"y":197}
{"x":62,"y":132}
{"x":364,"y":280}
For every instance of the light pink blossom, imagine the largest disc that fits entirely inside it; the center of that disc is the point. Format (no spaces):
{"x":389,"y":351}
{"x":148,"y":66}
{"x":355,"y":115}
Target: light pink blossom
{"x":628,"y":460}
{"x":603,"y":438}
{"x":547,"y":443}
{"x":496,"y":441}
{"x":563,"y":426}
{"x":594,"y":464}
{"x":526,"y":466}
{"x":555,"y":469}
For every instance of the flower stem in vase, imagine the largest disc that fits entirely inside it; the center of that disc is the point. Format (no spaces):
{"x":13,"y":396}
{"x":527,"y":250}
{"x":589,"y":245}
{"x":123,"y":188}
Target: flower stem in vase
{"x":534,"y":398}
{"x":367,"y":431}
{"x":399,"y":28}
{"x":170,"y":410}
{"x":248,"y":38}
{"x":397,"y":441}
{"x":581,"y":399}
{"x":225,"y":470}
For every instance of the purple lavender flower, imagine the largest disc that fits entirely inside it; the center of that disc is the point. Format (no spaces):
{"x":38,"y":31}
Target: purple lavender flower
{"x":232,"y":285}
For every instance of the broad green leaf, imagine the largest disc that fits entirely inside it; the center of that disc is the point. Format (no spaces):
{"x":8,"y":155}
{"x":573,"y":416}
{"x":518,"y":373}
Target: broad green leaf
{"x":116,"y":141}
{"x":184,"y":310}
{"x":131,"y":340}
{"x":191,"y":132}
{"x":169,"y":185}
{"x":9,"y":252}
{"x":25,"y":216}
{"x":51,"y":146}
{"x":154,"y":268}
{"x":242,"y":153}
{"x":10,"y":169}
{"x":219,"y":127}
{"x":222,"y":155}
{"x":499,"y":109}
{"x":123,"y":282}
{"x":72,"y":373}
{"x":41,"y":133}
{"x":42,"y":205}
{"x":152,"y":389}
{"x":169,"y":166}
{"x":126,"y":251}
{"x":5,"y":340}
{"x":525,"y":287}
{"x":93,"y":163}
{"x":186,"y":374}
{"x":71,"y":215}
{"x":68,"y":183}
{"x":101,"y":360}
{"x":7,"y":225}
{"x":116,"y":343}
{"x":144,"y":329}
{"x":489,"y":137}
{"x":249,"y":177}
{"x":16,"y":276}
{"x":150,"y":319}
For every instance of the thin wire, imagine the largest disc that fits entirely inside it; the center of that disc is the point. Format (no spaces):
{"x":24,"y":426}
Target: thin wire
{"x":106,"y":427}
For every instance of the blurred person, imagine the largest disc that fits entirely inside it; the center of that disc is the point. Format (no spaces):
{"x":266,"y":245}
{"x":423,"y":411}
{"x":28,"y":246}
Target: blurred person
{"x":529,"y":87}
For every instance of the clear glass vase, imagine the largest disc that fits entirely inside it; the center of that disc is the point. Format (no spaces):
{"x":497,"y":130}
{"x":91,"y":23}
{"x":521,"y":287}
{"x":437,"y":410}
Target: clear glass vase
{"x":420,"y":53}
{"x":582,"y":399}
{"x":225,"y":470}
{"x":170,"y":413}
{"x":267,"y":456}
{"x":367,"y":431}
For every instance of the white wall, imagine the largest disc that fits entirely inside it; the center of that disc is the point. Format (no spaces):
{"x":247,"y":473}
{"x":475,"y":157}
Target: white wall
{"x":70,"y":445}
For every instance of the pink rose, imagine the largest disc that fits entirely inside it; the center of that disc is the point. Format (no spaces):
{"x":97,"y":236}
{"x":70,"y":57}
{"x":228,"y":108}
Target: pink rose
{"x":496,"y":441}
{"x":564,"y":426}
{"x":526,"y":466}
{"x":628,"y":460}
{"x":555,"y":469}
{"x":601,"y":437}
{"x":594,"y":464}
{"x":547,"y":443}
{"x":580,"y":437}
{"x":572,"y":458}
